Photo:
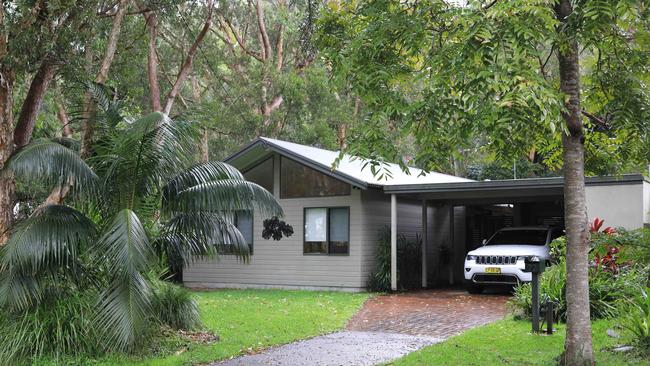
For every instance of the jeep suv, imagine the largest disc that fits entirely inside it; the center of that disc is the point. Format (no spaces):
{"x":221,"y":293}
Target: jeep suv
{"x":500,"y":261}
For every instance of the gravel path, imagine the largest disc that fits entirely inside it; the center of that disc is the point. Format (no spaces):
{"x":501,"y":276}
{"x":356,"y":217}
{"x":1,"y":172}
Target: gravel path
{"x":341,"y":348}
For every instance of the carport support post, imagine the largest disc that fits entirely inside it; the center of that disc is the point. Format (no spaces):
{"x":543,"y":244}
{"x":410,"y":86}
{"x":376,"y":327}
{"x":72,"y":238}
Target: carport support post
{"x":393,"y":242}
{"x":424,"y":243}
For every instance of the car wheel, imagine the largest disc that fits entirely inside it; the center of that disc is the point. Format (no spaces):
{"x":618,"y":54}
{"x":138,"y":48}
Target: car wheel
{"x":473,"y":288}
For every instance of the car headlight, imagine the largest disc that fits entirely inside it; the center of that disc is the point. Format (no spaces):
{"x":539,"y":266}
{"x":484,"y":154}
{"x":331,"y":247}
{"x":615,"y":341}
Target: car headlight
{"x":471,"y":257}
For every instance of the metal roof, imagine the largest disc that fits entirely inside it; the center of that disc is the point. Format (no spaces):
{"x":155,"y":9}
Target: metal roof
{"x":416,"y":182}
{"x":353,"y":170}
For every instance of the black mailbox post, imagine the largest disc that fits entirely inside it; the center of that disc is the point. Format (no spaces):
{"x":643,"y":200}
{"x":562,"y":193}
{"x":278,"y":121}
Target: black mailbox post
{"x":535,"y":266}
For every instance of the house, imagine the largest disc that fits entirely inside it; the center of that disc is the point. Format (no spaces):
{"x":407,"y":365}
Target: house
{"x":337,"y":215}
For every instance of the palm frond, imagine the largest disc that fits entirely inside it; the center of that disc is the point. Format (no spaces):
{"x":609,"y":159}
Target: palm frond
{"x":48,"y":242}
{"x":201,"y":173}
{"x":111,"y":109}
{"x":225,"y":195}
{"x":124,"y":245}
{"x":134,"y":163}
{"x":123,"y":311}
{"x":47,"y":162}
{"x":201,"y":234}
{"x":124,"y":306}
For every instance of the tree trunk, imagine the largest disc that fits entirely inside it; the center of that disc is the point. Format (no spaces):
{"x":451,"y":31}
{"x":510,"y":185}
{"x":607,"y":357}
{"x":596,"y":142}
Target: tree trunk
{"x":186,"y":67}
{"x":33,"y":102}
{"x":342,"y":135}
{"x":7,"y":185}
{"x":62,"y":115}
{"x":578,"y":350}
{"x":152,"y":63}
{"x":87,"y":127}
{"x":204,"y":146}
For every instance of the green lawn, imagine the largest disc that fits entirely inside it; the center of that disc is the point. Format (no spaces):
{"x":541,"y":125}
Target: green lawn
{"x":510,"y":342}
{"x":247,"y":320}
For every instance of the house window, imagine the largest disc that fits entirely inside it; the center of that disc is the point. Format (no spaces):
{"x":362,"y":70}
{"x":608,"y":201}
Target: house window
{"x":261,"y":174}
{"x":327,"y":230}
{"x":244,"y":223}
{"x":297,"y":180}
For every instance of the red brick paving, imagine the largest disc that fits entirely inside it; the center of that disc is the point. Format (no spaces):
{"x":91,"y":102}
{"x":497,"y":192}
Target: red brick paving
{"x":436,"y":313}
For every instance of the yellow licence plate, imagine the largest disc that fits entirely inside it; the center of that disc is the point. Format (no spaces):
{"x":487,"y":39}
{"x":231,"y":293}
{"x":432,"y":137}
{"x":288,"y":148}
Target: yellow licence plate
{"x":493,"y":270}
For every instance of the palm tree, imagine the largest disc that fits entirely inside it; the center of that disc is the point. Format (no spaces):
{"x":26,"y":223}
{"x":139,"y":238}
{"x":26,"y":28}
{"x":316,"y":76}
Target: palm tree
{"x":137,"y":193}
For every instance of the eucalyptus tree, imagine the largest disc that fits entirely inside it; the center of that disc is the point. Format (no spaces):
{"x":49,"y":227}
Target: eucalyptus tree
{"x":512,"y":72}
{"x":135,"y":196}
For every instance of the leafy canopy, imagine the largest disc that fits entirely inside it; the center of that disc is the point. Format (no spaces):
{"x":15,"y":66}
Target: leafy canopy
{"x":449,"y":76}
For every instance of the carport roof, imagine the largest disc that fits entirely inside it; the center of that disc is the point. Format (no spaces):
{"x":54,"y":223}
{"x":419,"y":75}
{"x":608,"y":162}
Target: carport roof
{"x":508,"y":188}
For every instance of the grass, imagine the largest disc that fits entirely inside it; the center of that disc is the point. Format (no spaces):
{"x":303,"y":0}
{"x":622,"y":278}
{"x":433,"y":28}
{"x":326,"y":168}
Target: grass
{"x":510,"y":342}
{"x":250,"y":320}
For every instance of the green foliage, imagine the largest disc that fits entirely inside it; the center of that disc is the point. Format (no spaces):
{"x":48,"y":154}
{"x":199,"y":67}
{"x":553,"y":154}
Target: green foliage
{"x":379,"y":280}
{"x":637,"y":319}
{"x":175,"y":306}
{"x":448,"y":78}
{"x":409,"y":256}
{"x":606,"y":291}
{"x":54,"y":328}
{"x":552,"y":288}
{"x":634,"y":244}
{"x":143,"y":193}
{"x":558,"y":249}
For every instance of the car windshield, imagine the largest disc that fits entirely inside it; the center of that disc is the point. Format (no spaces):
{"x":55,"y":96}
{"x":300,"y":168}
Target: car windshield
{"x":519,"y":237}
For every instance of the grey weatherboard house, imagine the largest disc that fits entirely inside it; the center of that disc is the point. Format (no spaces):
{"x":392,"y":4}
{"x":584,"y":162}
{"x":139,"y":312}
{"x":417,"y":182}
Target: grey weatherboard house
{"x":337,"y":215}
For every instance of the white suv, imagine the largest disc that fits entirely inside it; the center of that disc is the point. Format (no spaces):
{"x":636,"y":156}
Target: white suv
{"x":501,"y":258}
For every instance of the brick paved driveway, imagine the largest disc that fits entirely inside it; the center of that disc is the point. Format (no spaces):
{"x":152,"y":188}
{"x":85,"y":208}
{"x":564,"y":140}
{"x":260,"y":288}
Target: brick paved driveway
{"x":433,"y":313}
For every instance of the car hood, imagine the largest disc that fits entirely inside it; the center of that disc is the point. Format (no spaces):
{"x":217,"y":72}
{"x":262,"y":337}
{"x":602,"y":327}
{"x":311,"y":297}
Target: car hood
{"x":513,"y":250}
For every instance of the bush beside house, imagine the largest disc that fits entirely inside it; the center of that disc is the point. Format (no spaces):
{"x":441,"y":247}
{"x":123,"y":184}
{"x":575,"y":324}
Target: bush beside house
{"x":618,"y":281}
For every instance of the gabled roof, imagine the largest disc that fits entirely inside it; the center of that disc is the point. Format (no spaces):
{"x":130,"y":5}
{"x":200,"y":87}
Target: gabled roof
{"x":349,"y":168}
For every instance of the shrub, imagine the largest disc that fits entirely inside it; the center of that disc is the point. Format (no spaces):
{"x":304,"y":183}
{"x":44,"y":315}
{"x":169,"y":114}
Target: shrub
{"x":606,"y":290}
{"x":173,"y":306}
{"x":637,"y":320}
{"x":56,"y":328}
{"x":409,"y":270}
{"x":558,"y":249}
{"x":379,"y":280}
{"x":552,"y":287}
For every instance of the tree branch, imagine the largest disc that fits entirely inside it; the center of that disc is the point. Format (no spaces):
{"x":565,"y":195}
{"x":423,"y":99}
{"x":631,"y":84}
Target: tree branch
{"x":241,"y":43}
{"x":184,"y":72}
{"x":268,"y":52}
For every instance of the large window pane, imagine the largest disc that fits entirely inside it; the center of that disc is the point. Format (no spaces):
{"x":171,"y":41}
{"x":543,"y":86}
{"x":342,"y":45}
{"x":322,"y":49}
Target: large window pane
{"x":327,"y":230}
{"x":339,"y":230}
{"x":261,"y":174}
{"x":316,"y":224}
{"x":315,"y":230}
{"x":297,"y":180}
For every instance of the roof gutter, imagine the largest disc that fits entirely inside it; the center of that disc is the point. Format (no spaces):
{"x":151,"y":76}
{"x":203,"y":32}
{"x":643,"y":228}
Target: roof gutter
{"x":553,"y":182}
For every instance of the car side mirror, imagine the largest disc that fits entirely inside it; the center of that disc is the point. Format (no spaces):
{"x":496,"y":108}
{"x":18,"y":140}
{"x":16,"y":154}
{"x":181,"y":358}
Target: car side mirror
{"x":484,"y":242}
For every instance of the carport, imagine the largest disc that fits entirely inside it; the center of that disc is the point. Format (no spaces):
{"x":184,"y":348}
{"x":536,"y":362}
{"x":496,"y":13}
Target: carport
{"x":456,"y":217}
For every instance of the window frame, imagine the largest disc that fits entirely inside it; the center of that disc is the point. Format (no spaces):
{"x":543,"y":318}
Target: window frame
{"x":327,"y":231}
{"x":282,"y":196}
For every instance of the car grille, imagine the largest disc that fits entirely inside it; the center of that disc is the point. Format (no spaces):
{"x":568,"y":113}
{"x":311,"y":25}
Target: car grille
{"x":495,"y":278}
{"x":495,"y":259}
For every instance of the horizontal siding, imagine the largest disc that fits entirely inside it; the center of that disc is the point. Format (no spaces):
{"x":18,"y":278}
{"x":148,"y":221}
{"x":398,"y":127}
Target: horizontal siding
{"x":282,"y":263}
